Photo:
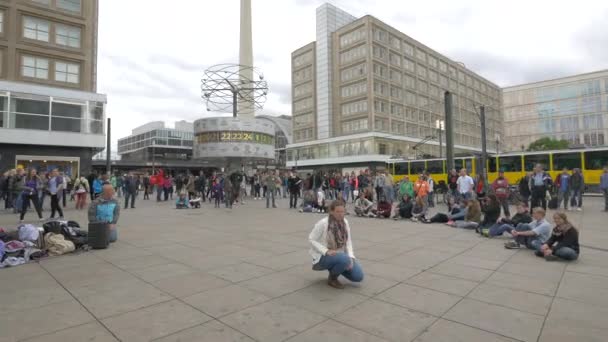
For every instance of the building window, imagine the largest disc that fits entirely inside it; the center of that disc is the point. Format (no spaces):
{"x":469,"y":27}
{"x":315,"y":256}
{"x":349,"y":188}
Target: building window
{"x":1,"y":21}
{"x":66,"y":117}
{"x":408,"y":49}
{"x":30,"y":114}
{"x":354,"y":108}
{"x":409,"y":65}
{"x":67,"y":72}
{"x":69,"y":5}
{"x":37,"y":29}
{"x":67,"y":35}
{"x":43,"y":2}
{"x":35,"y":67}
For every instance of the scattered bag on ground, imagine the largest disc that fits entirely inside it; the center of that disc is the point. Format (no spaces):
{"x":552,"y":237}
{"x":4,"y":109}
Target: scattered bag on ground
{"x":439,"y":218}
{"x":52,"y":227}
{"x":56,"y":244}
{"x":28,"y":232}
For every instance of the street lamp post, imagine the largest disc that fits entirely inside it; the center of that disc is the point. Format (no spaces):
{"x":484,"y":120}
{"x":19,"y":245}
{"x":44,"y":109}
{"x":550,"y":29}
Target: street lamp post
{"x":440,"y":125}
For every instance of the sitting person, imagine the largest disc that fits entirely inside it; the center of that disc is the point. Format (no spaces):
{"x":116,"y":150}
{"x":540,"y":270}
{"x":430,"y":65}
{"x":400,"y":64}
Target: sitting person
{"x":364,"y":207}
{"x":506,"y":225}
{"x":532,"y":234}
{"x":491,"y":213}
{"x":404,"y":208}
{"x":182,"y":201}
{"x":309,"y":201}
{"x":196,"y":202}
{"x":320,"y":205}
{"x":563,"y":243}
{"x":105,"y":209}
{"x":458,"y":210}
{"x":419,"y":210}
{"x":332,"y":247}
{"x":385,"y":208}
{"x":472,"y":217}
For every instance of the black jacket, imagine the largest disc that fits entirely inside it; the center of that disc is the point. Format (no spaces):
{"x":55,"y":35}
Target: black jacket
{"x":294,"y":184}
{"x":131,"y":184}
{"x":569,"y":239}
{"x":491,"y":214}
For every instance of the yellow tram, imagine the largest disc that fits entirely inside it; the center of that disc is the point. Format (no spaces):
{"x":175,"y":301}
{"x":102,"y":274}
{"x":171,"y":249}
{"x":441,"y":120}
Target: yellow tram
{"x":515,"y":164}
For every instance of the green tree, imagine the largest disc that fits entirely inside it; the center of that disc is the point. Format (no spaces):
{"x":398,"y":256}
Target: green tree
{"x":546,"y":143}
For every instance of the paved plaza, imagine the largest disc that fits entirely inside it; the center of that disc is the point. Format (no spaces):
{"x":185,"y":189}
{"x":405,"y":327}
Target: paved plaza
{"x":245,"y":275}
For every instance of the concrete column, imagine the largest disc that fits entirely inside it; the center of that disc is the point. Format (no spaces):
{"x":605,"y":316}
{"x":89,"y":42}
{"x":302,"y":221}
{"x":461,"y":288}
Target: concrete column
{"x":245,"y":107}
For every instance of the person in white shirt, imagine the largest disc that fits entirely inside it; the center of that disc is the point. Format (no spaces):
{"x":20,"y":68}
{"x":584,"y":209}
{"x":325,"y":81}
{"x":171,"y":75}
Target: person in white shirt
{"x":332,"y":247}
{"x":465,"y":183}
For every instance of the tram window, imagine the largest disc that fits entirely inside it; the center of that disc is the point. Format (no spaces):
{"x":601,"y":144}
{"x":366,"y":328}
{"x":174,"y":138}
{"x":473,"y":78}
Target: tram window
{"x":435,"y":167}
{"x":417,"y":168}
{"x":468,"y":165}
{"x":531,"y":161}
{"x":510,"y":164}
{"x":492,"y":164}
{"x":458,"y":164}
{"x":569,"y":160}
{"x":401,"y":168}
{"x":596,"y":160}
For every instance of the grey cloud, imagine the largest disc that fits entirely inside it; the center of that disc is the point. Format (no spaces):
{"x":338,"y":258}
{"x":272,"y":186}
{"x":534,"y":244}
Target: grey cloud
{"x":593,"y":40}
{"x":282,"y":90}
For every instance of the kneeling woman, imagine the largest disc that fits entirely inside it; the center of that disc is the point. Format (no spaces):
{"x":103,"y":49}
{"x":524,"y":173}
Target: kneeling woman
{"x":332,"y":247}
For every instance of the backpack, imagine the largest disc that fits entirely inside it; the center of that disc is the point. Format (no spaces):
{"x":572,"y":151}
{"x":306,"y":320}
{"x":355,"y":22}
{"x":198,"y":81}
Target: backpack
{"x":440,"y":218}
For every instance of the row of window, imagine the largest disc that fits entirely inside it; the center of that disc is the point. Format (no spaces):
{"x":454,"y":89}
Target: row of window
{"x":353,"y":36}
{"x":591,"y":104}
{"x":354,"y":89}
{"x":355,"y":126}
{"x":354,"y":108}
{"x":39,"y":67}
{"x":303,"y":105}
{"x":303,"y":89}
{"x":160,"y":133}
{"x":303,"y":134}
{"x":530,"y":127}
{"x":302,"y":75}
{"x":353,"y":54}
{"x":42,"y":29}
{"x":353,"y":72}
{"x":303,"y":120}
{"x":594,"y":160}
{"x":556,"y":93}
{"x":39,"y":114}
{"x":303,"y":59}
{"x":74,"y":6}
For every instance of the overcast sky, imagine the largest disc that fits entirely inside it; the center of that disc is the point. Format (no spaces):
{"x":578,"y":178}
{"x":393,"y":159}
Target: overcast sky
{"x":152,"y":53}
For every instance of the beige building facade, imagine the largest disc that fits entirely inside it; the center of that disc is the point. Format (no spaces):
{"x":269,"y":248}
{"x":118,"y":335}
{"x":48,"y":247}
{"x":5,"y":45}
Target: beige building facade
{"x":50,"y":113}
{"x":573,"y":108}
{"x":387,"y":94}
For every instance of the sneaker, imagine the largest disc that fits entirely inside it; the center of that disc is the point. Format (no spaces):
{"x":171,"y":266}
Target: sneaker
{"x":335,"y":283}
{"x":450,"y":222}
{"x":579,"y":209}
{"x":551,"y":257}
{"x":512,"y":245}
{"x":485,"y":232}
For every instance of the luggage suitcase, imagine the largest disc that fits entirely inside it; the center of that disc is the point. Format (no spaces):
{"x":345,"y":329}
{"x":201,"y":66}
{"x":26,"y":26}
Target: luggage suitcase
{"x":553,"y":203}
{"x":99,"y":235}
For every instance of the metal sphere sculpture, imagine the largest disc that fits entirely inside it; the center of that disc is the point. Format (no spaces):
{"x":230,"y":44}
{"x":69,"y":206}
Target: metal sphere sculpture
{"x":227,"y":86}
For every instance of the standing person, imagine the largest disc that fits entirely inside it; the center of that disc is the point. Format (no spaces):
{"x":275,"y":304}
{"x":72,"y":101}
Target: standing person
{"x":285,"y":184}
{"x":191,"y":187}
{"x":354,"y":186}
{"x":257,"y":184}
{"x":106,"y":209}
{"x":97,"y":187}
{"x":119,"y":185}
{"x":66,"y":184}
{"x":217,"y":192}
{"x":29,"y":191}
{"x":114,"y":182}
{"x":44,"y":188}
{"x":538,"y":187}
{"x":453,"y":182}
{"x":332,"y":247}
{"x":578,"y":187}
{"x":168,"y":187}
{"x":243,"y":189}
{"x":406,"y":188}
{"x":464,"y":184}
{"x":379,"y":183}
{"x":91,"y":178}
{"x":294,"y":183}
{"x":202,"y":185}
{"x":4,"y":188}
{"x":229,"y":192}
{"x":81,"y":189}
{"x":604,"y":187}
{"x":563,"y":243}
{"x":146,"y":181}
{"x":346,"y":187}
{"x":271,"y":183}
{"x":524,"y":188}
{"x":562,"y":182}
{"x":55,"y":188}
{"x":501,"y":189}
{"x":130,"y":185}
{"x":431,"y":189}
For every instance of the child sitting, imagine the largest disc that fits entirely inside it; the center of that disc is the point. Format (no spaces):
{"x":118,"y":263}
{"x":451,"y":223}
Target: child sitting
{"x":181,"y":202}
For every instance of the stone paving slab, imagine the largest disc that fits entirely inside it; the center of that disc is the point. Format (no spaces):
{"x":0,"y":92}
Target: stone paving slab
{"x":236,"y":275}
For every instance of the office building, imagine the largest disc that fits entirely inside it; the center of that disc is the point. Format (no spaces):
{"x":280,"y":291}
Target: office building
{"x":363,"y":92}
{"x":50,"y":113}
{"x":572,"y":108}
{"x":155,"y":142}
